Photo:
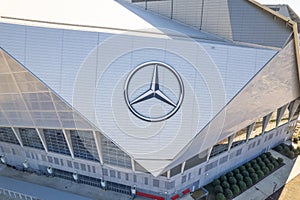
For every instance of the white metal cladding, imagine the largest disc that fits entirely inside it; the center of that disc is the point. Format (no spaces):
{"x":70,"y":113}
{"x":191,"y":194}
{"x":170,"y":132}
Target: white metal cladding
{"x":188,"y":12}
{"x":91,"y":79}
{"x":162,"y":7}
{"x":234,"y":20}
{"x":274,"y":86}
{"x":216,"y":18}
{"x":253,"y":25}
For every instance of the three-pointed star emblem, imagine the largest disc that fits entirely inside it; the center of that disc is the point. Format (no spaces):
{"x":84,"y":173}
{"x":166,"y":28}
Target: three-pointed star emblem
{"x":154,"y":91}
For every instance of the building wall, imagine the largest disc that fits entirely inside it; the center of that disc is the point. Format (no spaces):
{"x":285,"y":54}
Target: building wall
{"x":39,"y":160}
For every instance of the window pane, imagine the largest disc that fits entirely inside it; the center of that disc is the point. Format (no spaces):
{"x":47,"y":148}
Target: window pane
{"x":56,"y":142}
{"x":84,"y":145}
{"x":272,"y":123}
{"x":30,"y":138}
{"x":257,"y":130}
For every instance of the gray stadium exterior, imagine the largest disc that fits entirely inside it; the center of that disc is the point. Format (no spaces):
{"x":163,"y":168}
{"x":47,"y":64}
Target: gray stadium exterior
{"x":224,"y":88}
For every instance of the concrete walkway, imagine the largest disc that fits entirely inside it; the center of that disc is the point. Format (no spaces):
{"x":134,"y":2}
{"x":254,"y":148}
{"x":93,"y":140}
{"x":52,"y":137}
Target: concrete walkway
{"x":273,"y":182}
{"x":50,"y":188}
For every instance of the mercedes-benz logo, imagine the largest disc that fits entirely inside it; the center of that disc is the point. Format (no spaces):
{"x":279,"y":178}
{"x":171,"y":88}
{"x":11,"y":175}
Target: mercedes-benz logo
{"x":154,"y":92}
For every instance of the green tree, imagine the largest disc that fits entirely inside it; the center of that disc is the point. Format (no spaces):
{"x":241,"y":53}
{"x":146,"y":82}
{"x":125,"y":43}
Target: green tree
{"x":220,"y":196}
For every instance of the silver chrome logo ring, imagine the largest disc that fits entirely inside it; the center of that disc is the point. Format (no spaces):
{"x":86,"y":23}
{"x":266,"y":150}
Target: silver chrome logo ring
{"x":154,"y":92}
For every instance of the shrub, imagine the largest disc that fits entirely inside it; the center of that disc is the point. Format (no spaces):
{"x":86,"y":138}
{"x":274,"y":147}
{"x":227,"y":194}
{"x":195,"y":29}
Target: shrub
{"x":235,"y":189}
{"x":216,"y":182}
{"x":218,"y":189}
{"x":270,"y":166}
{"x":225,"y":185}
{"x":242,"y":185}
{"x":291,"y":147}
{"x":272,"y":159}
{"x":265,"y":170}
{"x":260,"y":174}
{"x":236,"y":171}
{"x":251,"y":170}
{"x":261,"y":164}
{"x":220,"y":196}
{"x":254,"y":177}
{"x":248,"y":165}
{"x":229,"y":174}
{"x":248,"y":181}
{"x":263,"y":156}
{"x":253,"y":162}
{"x":223,"y":178}
{"x":232,"y":180}
{"x":256,"y":167}
{"x":286,"y":149}
{"x":239,"y":177}
{"x":245,"y":173}
{"x":280,"y":160}
{"x":290,"y":154}
{"x":268,"y":154}
{"x":258,"y":159}
{"x":266,"y":161}
{"x":279,"y":148}
{"x":296,"y":151}
{"x":275,"y":163}
{"x":242,"y":168}
{"x":228,"y":193}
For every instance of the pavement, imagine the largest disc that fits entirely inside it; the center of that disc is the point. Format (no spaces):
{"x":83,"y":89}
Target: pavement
{"x":266,"y":187}
{"x":52,"y":188}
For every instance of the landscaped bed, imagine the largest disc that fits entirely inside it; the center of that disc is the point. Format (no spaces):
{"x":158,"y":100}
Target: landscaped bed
{"x":287,"y":150}
{"x":240,"y":179}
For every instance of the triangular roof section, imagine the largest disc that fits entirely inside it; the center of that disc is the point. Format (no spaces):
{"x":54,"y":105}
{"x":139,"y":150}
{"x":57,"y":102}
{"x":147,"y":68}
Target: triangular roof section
{"x":272,"y":87}
{"x":25,"y":101}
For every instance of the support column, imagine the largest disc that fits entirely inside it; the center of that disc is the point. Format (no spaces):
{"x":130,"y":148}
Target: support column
{"x":132,"y":165}
{"x":209,"y":152}
{"x":182,"y":167}
{"x":97,"y":139}
{"x":230,"y":141}
{"x":249,"y":131}
{"x":18,"y":136}
{"x":68,"y":140}
{"x":266,"y":120}
{"x":168,"y":174}
{"x":40,"y":132}
{"x":294,"y":107}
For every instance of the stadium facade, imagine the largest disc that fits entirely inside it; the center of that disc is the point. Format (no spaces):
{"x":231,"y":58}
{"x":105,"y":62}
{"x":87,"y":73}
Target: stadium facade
{"x":157,"y":97}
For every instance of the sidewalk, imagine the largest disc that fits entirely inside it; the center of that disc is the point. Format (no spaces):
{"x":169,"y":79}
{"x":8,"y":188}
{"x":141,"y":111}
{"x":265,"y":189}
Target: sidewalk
{"x":273,"y":182}
{"x":50,"y":188}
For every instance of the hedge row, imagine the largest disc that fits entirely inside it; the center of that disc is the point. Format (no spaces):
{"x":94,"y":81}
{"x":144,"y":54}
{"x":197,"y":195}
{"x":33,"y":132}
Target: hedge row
{"x":287,"y":150}
{"x":236,"y":181}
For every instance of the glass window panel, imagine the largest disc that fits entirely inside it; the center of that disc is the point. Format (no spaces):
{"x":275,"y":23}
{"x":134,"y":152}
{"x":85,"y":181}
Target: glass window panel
{"x":194,"y":161}
{"x":257,"y":130}
{"x":240,"y":137}
{"x":84,"y":145}
{"x":7,"y":135}
{"x":272,"y":122}
{"x":30,"y":138}
{"x":114,"y":155}
{"x":285,"y":117}
{"x":296,"y":114}
{"x":219,"y":147}
{"x":55,"y":141}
